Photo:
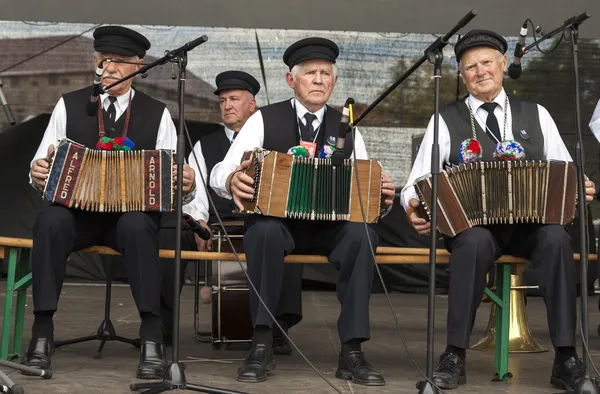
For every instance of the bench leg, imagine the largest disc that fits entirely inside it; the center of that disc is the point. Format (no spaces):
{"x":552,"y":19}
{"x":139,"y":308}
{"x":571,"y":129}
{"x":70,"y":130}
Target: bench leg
{"x":502,"y":322}
{"x":21,"y":289}
{"x":8,"y":303}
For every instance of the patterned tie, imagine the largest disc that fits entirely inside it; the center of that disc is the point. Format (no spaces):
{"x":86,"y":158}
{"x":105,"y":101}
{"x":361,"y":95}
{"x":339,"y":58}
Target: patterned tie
{"x":109,"y":118}
{"x":308,"y":131}
{"x":492,"y":122}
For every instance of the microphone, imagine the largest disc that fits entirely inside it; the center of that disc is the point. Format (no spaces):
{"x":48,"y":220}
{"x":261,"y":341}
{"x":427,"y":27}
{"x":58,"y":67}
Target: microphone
{"x":197,"y":227}
{"x":515,"y":69}
{"x":92,"y":105}
{"x":337,"y":157}
{"x":7,"y":111}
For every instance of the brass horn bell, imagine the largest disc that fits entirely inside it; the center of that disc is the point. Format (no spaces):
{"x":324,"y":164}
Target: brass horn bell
{"x":520,"y":338}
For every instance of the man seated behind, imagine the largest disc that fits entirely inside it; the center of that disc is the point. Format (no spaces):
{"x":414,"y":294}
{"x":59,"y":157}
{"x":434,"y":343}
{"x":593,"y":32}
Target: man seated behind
{"x":306,"y":120}
{"x":58,"y":230}
{"x":236,"y":91}
{"x":491,"y":116}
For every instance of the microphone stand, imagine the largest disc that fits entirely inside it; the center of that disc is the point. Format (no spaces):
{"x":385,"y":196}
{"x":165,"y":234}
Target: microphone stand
{"x":434,"y":55}
{"x":175,"y":376}
{"x":6,"y":106}
{"x":571,"y":32}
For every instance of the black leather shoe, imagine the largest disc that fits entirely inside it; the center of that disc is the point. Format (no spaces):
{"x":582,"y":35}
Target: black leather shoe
{"x":450,"y":371}
{"x":281,"y":346}
{"x":38,"y":354}
{"x":566,"y":375}
{"x":256,"y":365}
{"x":153,"y":364}
{"x":353,"y":365}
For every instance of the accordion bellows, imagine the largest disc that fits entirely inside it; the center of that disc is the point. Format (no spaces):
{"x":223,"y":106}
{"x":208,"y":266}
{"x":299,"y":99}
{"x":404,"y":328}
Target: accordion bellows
{"x":501,"y":192}
{"x":110,"y":181}
{"x":295,"y":187}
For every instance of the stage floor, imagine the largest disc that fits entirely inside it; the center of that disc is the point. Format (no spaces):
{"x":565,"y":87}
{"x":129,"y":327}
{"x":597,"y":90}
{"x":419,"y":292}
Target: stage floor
{"x":76,"y":370}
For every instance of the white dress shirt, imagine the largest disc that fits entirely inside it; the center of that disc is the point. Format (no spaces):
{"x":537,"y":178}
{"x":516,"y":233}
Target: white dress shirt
{"x":252,"y":136}
{"x":57,"y":129}
{"x":199,"y":208}
{"x":595,"y":122}
{"x":554,"y":147}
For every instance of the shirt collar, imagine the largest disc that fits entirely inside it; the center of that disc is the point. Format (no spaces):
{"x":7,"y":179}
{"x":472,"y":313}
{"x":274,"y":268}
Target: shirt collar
{"x":476,"y":103}
{"x":301,"y":110}
{"x":229,"y":133}
{"x":122,"y":100}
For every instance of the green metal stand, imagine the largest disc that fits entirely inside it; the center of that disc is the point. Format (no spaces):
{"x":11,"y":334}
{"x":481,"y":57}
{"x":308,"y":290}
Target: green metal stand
{"x":502,"y":300}
{"x":17,"y":281}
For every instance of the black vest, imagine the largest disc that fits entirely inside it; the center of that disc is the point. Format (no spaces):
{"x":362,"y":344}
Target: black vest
{"x":281,"y":128}
{"x":214,"y":148}
{"x":146,"y":114}
{"x":524,"y":117}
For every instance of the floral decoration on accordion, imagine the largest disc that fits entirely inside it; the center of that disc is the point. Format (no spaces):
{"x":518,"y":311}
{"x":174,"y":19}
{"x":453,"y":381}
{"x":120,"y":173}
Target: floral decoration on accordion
{"x":119,"y":143}
{"x":469,"y":150}
{"x":326,"y":151}
{"x":298,"y":151}
{"x":509,"y":151}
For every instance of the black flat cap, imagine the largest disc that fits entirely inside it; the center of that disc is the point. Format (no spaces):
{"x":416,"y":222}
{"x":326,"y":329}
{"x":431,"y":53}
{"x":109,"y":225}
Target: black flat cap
{"x":237,"y":80}
{"x":309,"y":49}
{"x":480,"y":38}
{"x":120,"y":40}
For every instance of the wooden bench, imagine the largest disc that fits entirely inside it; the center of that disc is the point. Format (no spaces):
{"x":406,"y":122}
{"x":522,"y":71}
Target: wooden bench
{"x":19,"y":279}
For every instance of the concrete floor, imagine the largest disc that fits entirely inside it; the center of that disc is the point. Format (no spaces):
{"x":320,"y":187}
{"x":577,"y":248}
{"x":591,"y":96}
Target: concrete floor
{"x":77,"y":371}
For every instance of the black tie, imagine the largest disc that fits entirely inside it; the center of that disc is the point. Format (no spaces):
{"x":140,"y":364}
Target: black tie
{"x":308,"y":131}
{"x":492,"y":122}
{"x":111,"y":113}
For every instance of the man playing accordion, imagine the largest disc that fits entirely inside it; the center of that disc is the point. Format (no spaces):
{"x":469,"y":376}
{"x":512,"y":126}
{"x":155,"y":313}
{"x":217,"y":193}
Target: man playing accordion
{"x":305,"y":120}
{"x":143,"y":123}
{"x":498,"y":122}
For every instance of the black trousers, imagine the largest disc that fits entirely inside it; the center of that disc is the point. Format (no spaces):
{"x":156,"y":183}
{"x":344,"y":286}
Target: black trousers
{"x":58,"y":231}
{"x":290,"y":306}
{"x":268,"y":240}
{"x":474,"y":252}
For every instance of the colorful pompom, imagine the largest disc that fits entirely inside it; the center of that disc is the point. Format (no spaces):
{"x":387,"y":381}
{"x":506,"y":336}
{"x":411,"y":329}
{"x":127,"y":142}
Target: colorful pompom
{"x":298,"y":151}
{"x":123,"y":143}
{"x":509,"y":150}
{"x":469,"y":150}
{"x":326,"y":151}
{"x":104,"y":143}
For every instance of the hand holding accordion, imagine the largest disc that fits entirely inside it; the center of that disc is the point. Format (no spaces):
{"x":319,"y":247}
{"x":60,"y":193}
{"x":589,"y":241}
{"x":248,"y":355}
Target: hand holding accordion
{"x":110,"y":181}
{"x":295,"y":187}
{"x":501,"y":192}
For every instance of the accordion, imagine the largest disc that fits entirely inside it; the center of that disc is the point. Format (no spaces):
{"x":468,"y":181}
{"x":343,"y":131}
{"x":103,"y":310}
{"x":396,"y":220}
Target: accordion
{"x":296,"y":187}
{"x":110,"y":181}
{"x":501,"y":192}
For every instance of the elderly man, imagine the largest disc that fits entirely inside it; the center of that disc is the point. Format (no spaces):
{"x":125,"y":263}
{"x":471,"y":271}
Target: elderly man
{"x":498,"y":117}
{"x":595,"y":122}
{"x":236,"y":91}
{"x":58,"y":230}
{"x":307,"y":120}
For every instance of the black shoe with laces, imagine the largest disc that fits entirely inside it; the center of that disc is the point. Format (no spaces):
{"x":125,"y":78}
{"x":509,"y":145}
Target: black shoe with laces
{"x":566,"y":375}
{"x":450,"y":372}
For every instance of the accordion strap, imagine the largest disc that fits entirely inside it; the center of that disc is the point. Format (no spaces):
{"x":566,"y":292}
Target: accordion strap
{"x":101,"y":131}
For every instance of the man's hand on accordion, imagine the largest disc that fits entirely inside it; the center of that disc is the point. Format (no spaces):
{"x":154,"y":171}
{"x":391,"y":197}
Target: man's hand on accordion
{"x":189,"y":177}
{"x":41,"y":168}
{"x":420,"y":224}
{"x":388,"y":191}
{"x":240,"y":185}
{"x":590,"y":190}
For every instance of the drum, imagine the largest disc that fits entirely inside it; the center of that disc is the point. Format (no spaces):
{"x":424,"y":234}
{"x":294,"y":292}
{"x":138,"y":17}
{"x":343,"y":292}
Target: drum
{"x":231,"y":320}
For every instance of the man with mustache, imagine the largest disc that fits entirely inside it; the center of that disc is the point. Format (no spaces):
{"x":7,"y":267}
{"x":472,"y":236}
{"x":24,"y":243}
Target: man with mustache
{"x":236,"y":91}
{"x":491,"y":116}
{"x":58,"y":230}
{"x":304,"y":120}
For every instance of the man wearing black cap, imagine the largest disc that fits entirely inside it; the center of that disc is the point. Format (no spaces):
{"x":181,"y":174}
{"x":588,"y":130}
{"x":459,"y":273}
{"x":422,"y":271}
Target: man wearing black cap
{"x":491,"y":116}
{"x":307,"y":120}
{"x":236,"y":91}
{"x":58,"y":230}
